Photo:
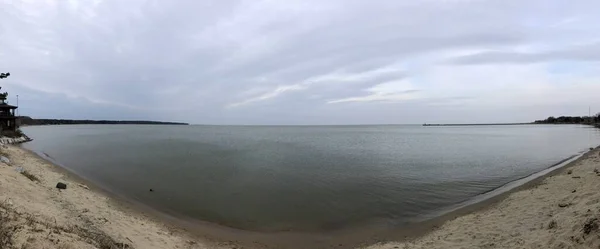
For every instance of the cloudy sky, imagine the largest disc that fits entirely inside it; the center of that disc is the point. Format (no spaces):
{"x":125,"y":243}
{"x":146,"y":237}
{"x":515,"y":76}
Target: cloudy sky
{"x":302,"y":62}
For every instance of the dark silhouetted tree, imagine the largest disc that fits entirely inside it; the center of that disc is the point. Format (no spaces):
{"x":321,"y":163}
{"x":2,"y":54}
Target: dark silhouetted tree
{"x":3,"y":76}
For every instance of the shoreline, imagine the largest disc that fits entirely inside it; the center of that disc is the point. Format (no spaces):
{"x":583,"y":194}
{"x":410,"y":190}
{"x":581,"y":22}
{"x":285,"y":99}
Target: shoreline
{"x":487,"y":224}
{"x":216,"y":234}
{"x":116,"y":201}
{"x":35,"y":214}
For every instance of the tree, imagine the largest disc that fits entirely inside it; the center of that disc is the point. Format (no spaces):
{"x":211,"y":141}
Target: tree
{"x":3,"y":76}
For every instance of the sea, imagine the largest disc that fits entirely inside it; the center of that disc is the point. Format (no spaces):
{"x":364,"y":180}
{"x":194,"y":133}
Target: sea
{"x":306,"y":178}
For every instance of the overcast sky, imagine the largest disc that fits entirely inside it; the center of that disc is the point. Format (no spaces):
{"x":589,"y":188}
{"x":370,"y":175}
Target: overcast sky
{"x":302,"y":62}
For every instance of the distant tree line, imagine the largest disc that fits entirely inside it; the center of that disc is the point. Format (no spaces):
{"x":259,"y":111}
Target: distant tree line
{"x":33,"y":121}
{"x":571,"y":120}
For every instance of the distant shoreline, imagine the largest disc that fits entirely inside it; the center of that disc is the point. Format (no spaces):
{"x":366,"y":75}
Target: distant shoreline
{"x":27,"y":121}
{"x":478,"y":124}
{"x":531,"y":123}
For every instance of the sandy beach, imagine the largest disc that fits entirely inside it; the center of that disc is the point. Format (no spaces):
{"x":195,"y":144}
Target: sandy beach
{"x":559,"y":211}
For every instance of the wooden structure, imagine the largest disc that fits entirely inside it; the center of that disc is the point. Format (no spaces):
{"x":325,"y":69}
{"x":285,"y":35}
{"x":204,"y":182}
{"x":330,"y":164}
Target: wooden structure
{"x":8,"y":120}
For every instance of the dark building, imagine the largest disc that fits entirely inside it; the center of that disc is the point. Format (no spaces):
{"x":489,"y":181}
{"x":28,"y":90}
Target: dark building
{"x":8,"y":120}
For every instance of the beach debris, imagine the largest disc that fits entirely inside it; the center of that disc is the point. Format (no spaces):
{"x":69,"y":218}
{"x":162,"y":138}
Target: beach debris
{"x":122,"y":245}
{"x":564,"y":204}
{"x":61,"y":185}
{"x":30,"y":176}
{"x":151,"y":190}
{"x":552,"y":224}
{"x":20,"y":169}
{"x":576,"y":177}
{"x":596,"y":171}
{"x":83,"y":186}
{"x":574,"y":190}
{"x":590,"y":225}
{"x":102,"y":219}
{"x":4,"y":159}
{"x":570,"y":172}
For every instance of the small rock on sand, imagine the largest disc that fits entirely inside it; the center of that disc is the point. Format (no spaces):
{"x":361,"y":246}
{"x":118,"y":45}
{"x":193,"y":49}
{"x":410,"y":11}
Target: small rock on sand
{"x":122,"y":245}
{"x":590,"y":225}
{"x":552,"y":224}
{"x":564,"y":204}
{"x":61,"y":185}
{"x":570,"y":172}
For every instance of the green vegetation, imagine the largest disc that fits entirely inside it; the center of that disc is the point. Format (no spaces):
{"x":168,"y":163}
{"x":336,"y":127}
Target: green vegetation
{"x":571,"y":120}
{"x":19,"y":133}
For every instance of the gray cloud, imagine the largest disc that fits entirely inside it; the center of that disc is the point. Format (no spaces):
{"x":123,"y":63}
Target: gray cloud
{"x":271,"y":62}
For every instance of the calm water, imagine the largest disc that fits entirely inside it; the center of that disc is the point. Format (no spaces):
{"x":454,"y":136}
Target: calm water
{"x":310,"y":178}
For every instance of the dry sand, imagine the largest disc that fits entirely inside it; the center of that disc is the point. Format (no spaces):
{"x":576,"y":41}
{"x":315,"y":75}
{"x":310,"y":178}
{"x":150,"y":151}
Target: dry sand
{"x":562,"y":211}
{"x":35,"y":214}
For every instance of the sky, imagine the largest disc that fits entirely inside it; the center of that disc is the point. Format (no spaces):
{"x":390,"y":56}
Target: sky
{"x":253,"y":62}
